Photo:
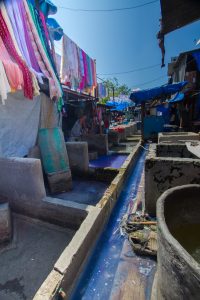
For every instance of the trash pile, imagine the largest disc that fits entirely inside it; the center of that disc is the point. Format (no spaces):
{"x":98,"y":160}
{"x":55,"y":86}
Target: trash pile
{"x":141,"y":232}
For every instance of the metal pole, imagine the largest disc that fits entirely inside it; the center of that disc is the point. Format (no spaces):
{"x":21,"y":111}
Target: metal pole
{"x":113,"y":93}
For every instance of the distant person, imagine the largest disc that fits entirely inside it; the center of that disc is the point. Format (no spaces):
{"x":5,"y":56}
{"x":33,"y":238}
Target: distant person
{"x":79,"y":127}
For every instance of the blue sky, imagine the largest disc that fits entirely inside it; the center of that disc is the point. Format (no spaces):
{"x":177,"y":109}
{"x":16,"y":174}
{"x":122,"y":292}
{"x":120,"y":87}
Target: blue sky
{"x":124,"y":40}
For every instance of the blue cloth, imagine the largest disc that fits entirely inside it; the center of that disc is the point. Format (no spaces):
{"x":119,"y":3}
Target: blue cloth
{"x":196,"y":56}
{"x":147,"y":95}
{"x":178,"y":98}
{"x":55,"y":29}
{"x":47,"y":7}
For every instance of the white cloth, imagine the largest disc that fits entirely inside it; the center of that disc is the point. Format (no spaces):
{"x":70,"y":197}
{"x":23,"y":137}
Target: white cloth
{"x":19,"y":121}
{"x":4,"y":84}
{"x":70,"y":69}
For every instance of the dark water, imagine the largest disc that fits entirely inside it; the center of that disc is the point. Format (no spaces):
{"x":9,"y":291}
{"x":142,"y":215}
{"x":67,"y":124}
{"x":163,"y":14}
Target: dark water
{"x":97,"y":278}
{"x":188,"y":235}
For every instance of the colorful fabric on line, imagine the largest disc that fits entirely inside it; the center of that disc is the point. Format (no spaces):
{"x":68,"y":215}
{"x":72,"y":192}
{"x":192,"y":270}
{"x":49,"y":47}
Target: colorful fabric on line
{"x":4,"y":84}
{"x":5,"y":35}
{"x":13,"y":72}
{"x":78,"y":70}
{"x":41,"y":54}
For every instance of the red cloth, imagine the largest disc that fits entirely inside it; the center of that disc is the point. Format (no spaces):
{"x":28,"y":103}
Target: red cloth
{"x":6,"y":37}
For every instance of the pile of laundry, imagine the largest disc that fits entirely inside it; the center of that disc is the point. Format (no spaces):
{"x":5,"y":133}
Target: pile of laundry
{"x":141,"y":231}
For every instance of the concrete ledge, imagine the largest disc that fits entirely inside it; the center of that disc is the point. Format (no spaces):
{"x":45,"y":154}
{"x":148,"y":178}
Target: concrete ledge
{"x":49,"y":287}
{"x":113,"y":137}
{"x":177,"y":137}
{"x":78,"y":156}
{"x":178,"y":272}
{"x":72,"y":260}
{"x":21,"y":178}
{"x":22,"y":186}
{"x":162,"y":173}
{"x":97,"y":142}
{"x":173,"y":150}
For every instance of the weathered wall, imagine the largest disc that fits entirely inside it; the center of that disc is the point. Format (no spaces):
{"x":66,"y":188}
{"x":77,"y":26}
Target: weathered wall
{"x":97,"y":142}
{"x":173,"y":150}
{"x":78,"y":156}
{"x":72,"y":260}
{"x":164,"y":173}
{"x":177,"y":137}
{"x":113,"y":137}
{"x":22,"y":186}
{"x":133,"y":128}
{"x":178,"y":274}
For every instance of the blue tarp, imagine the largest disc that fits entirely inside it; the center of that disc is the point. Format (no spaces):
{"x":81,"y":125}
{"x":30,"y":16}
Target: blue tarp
{"x":55,"y":29}
{"x":119,"y":106}
{"x":178,"y":98}
{"x":47,"y":7}
{"x":147,"y":95}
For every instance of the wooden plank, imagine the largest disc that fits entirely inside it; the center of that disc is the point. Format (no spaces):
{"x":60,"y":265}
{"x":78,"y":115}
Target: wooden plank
{"x":134,"y":276}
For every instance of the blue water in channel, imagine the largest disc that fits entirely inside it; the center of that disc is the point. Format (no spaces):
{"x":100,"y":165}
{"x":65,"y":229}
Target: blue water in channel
{"x":97,"y":278}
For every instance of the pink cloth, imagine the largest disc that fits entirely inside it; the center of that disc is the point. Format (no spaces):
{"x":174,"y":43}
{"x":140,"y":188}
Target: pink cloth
{"x":27,"y":77}
{"x":44,"y":64}
{"x":13,"y":71}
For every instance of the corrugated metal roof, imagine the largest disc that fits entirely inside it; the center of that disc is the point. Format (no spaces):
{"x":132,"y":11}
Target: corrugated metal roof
{"x":178,"y":13}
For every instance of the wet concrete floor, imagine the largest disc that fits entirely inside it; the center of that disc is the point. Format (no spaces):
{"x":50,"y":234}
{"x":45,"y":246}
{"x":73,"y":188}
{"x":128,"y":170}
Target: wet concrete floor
{"x":30,"y":257}
{"x":85,"y":191}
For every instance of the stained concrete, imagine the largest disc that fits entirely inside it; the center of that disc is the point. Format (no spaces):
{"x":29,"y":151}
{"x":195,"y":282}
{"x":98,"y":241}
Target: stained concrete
{"x":85,"y":191}
{"x":5,"y":223}
{"x":22,"y":186}
{"x":178,"y":273}
{"x":78,"y":156}
{"x":113,"y":137}
{"x":75,"y":255}
{"x":174,"y":150}
{"x":96,"y":142}
{"x":177,"y":137}
{"x":162,"y":173}
{"x":27,"y":261}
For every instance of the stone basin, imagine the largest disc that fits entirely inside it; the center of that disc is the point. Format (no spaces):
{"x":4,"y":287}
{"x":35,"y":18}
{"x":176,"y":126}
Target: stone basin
{"x":178,"y":272}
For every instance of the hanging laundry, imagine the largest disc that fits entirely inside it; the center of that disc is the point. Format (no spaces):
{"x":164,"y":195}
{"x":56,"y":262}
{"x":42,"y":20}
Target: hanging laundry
{"x":6,"y":37}
{"x":13,"y":72}
{"x":102,"y":90}
{"x":41,"y":53}
{"x":4,"y":84}
{"x":78,"y":70}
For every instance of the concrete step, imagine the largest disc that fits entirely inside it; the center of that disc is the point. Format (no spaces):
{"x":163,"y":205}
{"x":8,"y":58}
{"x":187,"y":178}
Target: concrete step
{"x":93,"y":155}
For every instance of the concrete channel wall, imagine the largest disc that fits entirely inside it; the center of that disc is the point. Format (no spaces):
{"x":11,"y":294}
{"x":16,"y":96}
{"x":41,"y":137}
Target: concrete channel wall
{"x":78,"y":156}
{"x":162,"y":173}
{"x":97,"y":142}
{"x":178,"y":273}
{"x":173,"y":150}
{"x":72,"y":260}
{"x":177,"y":137}
{"x":22,"y":186}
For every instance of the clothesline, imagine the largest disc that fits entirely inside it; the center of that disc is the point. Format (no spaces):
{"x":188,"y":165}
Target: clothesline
{"x":27,"y":54}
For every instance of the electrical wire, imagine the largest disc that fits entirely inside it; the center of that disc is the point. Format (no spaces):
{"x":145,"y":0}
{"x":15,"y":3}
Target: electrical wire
{"x":131,"y":71}
{"x":107,"y":10}
{"x":147,"y":82}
